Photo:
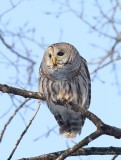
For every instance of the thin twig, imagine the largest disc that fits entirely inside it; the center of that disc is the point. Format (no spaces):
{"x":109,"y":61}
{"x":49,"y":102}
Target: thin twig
{"x":10,"y":118}
{"x":46,"y":134}
{"x":23,"y":133}
{"x":15,"y":52}
{"x":13,"y":6}
{"x":114,"y":157}
{"x":106,"y":64}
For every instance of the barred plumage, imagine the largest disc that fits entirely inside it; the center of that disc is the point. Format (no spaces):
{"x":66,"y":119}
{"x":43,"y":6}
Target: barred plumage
{"x":65,"y":82}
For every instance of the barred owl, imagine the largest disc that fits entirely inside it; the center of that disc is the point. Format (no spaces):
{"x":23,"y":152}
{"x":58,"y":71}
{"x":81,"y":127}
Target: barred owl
{"x":65,"y":81}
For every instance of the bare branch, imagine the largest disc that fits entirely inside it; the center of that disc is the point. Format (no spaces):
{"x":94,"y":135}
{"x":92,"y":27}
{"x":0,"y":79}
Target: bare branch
{"x":114,"y":157}
{"x":82,"y":143}
{"x":24,"y":93}
{"x":13,"y":6}
{"x":10,"y":118}
{"x":80,"y":152}
{"x":15,"y":52}
{"x":47,"y":133}
{"x":106,"y":64}
{"x":23,"y":133}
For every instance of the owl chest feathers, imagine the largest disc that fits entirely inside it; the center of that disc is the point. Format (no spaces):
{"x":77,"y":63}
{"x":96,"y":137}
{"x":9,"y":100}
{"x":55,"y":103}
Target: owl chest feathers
{"x":64,"y":93}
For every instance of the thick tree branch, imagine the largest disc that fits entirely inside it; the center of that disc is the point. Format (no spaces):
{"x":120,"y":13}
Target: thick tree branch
{"x":80,"y":152}
{"x":24,"y":93}
{"x":106,"y":129}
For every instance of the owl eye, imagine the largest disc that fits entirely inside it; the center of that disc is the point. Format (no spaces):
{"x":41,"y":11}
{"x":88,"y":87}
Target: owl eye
{"x":50,"y":55}
{"x":60,"y":53}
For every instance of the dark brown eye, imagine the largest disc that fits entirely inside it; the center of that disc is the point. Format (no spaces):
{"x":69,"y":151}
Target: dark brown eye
{"x":50,"y":55}
{"x":60,"y":53}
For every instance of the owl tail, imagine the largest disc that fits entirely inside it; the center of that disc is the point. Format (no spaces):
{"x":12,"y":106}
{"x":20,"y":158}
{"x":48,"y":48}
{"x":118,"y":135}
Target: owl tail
{"x":71,"y":128}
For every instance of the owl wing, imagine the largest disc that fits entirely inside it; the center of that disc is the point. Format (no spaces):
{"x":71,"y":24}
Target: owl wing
{"x":85,"y":72}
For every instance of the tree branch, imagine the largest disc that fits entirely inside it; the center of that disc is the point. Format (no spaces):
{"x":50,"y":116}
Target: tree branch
{"x":23,"y":133}
{"x":82,"y":143}
{"x":80,"y":152}
{"x":15,"y":52}
{"x":11,"y":117}
{"x":21,"y":92}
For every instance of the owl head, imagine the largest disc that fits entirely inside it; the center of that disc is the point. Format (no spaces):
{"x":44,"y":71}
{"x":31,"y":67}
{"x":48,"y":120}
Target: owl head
{"x":59,"y":55}
{"x":60,"y":60}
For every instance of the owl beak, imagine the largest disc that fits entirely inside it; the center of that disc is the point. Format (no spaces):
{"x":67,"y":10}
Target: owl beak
{"x":54,"y":60}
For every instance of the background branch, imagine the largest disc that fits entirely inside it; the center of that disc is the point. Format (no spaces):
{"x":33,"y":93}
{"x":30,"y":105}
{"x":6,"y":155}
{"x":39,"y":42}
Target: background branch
{"x":10,"y":119}
{"x":23,"y":133}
